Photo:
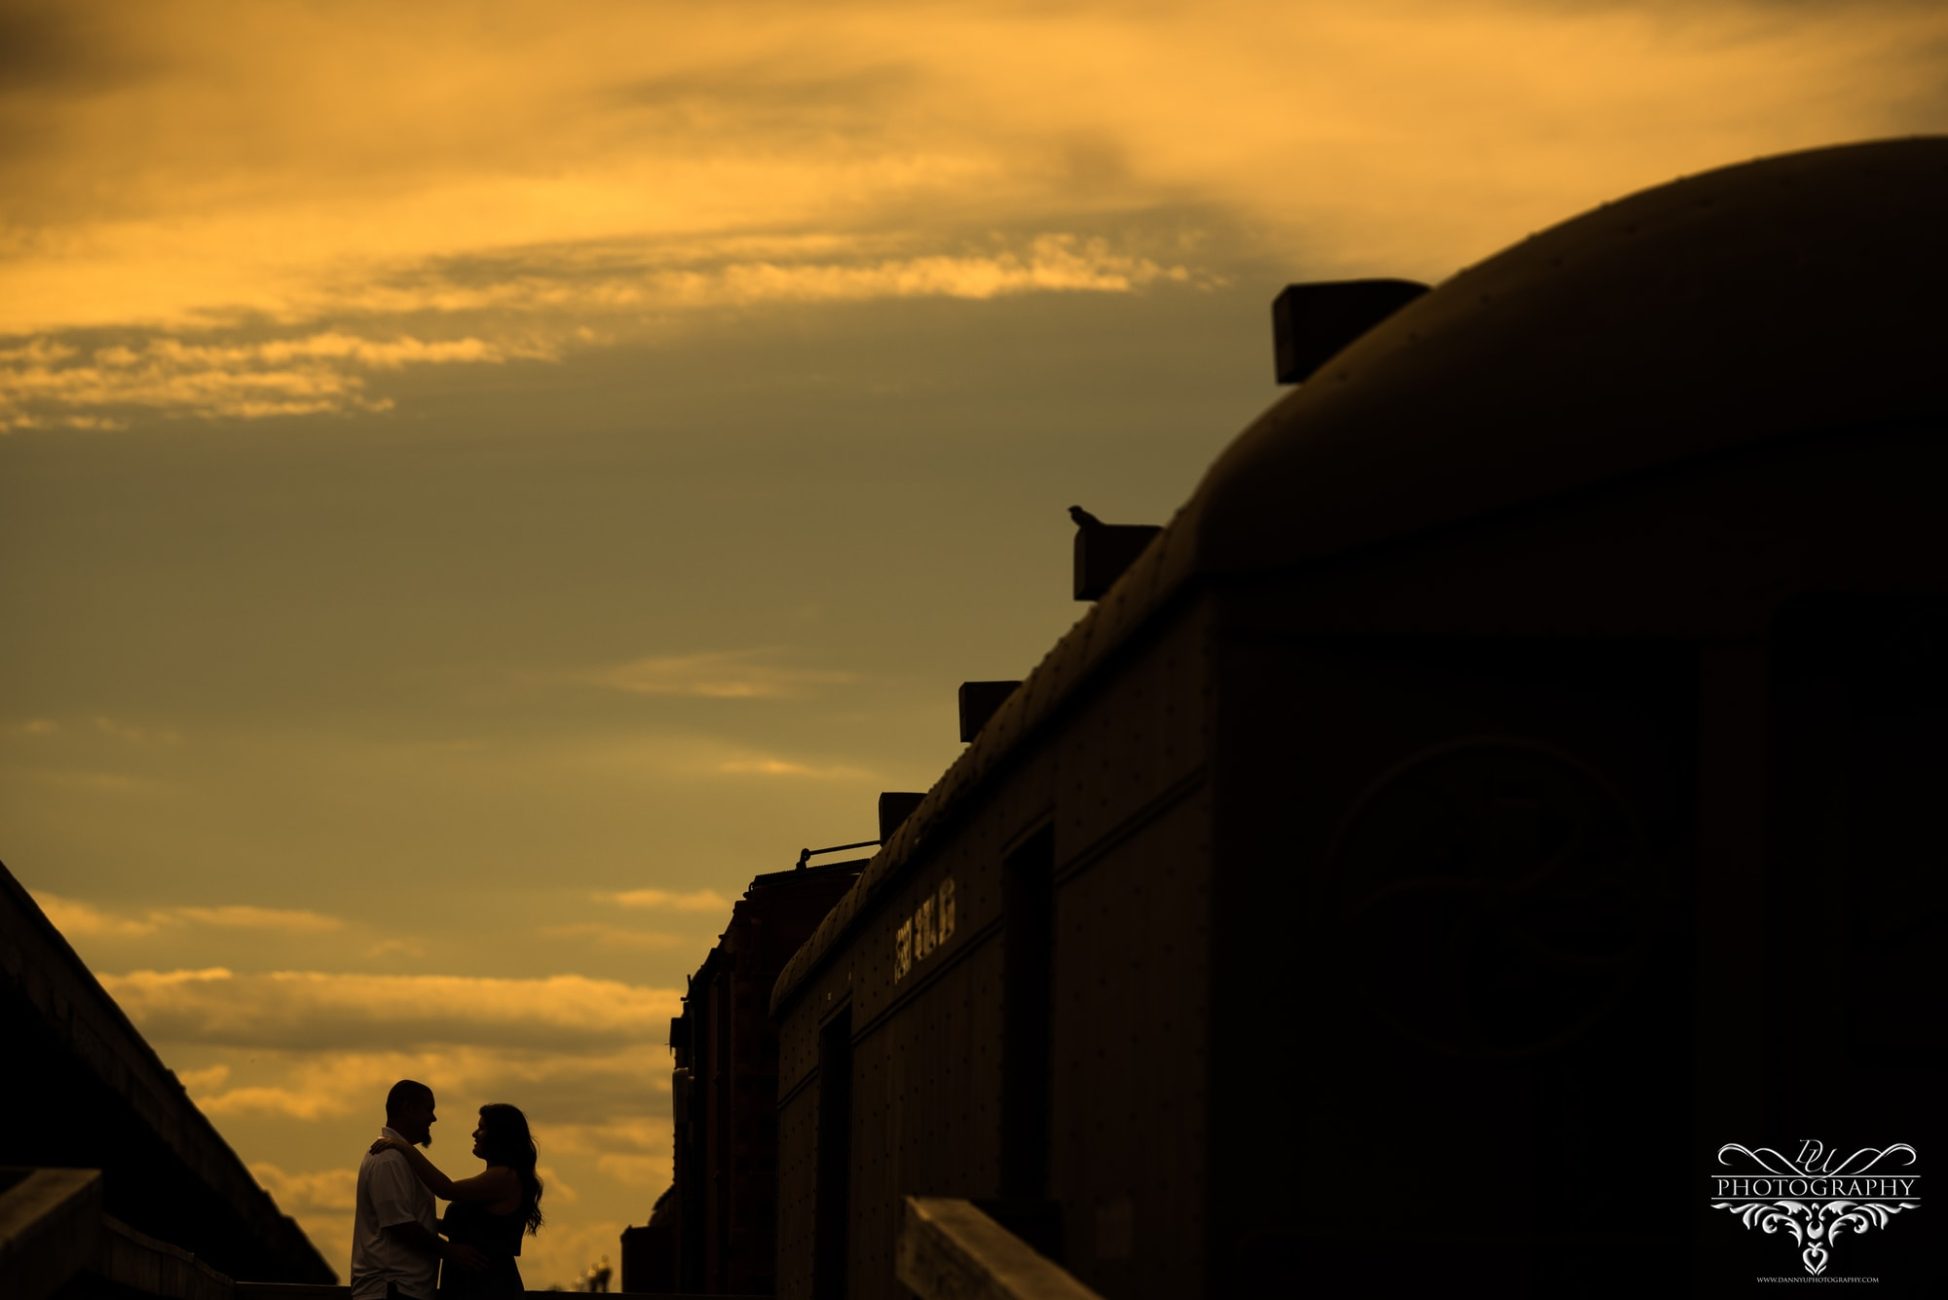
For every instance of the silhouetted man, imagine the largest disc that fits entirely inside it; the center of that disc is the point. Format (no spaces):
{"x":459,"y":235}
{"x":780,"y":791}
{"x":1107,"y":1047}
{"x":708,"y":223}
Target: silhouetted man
{"x":396,"y":1249}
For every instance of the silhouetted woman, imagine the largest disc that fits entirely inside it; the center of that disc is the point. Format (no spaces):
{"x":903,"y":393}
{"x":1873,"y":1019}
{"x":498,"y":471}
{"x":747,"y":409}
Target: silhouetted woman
{"x":489,"y":1211}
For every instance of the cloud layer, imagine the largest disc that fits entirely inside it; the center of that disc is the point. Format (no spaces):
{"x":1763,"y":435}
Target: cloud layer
{"x":274,"y":239}
{"x":716,"y":675}
{"x":49,"y":384}
{"x":317,"y":1010}
{"x":82,"y":920}
{"x":706,"y":901}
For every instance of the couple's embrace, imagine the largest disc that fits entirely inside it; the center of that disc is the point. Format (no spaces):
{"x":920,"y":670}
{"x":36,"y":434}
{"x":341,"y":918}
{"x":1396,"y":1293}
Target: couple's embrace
{"x":397,"y":1249}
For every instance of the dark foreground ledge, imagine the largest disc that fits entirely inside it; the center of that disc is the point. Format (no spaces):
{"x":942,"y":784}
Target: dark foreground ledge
{"x":294,"y":1291}
{"x":951,"y":1249}
{"x":57,"y":1244}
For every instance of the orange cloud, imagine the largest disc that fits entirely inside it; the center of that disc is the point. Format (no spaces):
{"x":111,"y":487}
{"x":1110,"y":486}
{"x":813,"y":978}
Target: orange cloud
{"x":696,"y":900}
{"x":208,"y":1079}
{"x":302,"y":375}
{"x":615,"y":938}
{"x":639,"y":160}
{"x":590,"y":1097}
{"x":637,"y":1171}
{"x":692,"y":758}
{"x":717,"y":675}
{"x":318,"y":1009}
{"x":541,"y":306}
{"x":243,"y":917}
{"x":78,"y":919}
{"x":789,"y":768}
{"x":330,"y":1190}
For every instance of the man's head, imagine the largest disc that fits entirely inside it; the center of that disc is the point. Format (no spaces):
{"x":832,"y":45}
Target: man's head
{"x":409,"y":1111}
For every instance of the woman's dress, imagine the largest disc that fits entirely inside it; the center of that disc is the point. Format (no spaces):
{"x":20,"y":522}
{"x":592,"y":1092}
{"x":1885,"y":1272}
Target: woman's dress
{"x":498,"y":1237}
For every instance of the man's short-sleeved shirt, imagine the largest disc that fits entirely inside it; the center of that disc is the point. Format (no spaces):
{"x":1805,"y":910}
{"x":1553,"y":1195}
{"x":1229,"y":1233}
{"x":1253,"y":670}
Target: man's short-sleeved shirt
{"x":390,"y":1193}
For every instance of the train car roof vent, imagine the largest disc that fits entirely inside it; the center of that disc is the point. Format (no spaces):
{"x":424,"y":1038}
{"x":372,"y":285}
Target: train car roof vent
{"x":978,"y":701}
{"x":1313,"y":322}
{"x":895,"y":806}
{"x":1103,"y":551}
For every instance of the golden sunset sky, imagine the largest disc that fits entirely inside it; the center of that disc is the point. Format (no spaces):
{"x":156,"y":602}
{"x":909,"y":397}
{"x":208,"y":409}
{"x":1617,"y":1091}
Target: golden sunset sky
{"x":479,"y":482}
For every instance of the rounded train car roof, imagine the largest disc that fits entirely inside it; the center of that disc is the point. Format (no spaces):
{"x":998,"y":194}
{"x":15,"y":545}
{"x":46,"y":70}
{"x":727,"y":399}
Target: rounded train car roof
{"x":1798,"y":292}
{"x":1785,"y":295}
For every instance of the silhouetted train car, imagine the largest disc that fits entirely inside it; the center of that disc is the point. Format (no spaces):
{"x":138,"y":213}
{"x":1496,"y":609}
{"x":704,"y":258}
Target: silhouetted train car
{"x":720,"y":1226}
{"x":1505,"y":782}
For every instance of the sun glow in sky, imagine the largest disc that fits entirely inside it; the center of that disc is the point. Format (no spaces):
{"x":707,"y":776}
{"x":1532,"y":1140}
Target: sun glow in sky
{"x":479,"y":482}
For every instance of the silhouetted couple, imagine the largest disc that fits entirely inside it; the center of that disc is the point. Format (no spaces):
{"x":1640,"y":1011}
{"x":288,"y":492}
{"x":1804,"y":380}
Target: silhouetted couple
{"x":396,"y":1236}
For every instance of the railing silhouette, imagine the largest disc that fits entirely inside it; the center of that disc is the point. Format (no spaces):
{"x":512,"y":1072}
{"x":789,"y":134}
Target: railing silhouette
{"x":293,"y":1291}
{"x":949,"y":1248}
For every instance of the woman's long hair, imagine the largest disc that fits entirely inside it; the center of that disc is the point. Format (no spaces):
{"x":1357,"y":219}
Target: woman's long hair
{"x":505,"y":1140}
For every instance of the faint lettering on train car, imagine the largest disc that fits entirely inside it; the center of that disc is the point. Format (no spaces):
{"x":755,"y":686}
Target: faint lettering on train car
{"x":931,"y":925}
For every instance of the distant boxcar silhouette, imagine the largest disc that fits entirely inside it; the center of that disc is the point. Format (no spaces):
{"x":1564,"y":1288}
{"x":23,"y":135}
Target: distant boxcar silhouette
{"x":1507,"y":780}
{"x":714,"y":1235}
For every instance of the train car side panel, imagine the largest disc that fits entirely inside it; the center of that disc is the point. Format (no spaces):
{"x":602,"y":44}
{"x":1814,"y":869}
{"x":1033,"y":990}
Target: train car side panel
{"x":1131,"y":1080}
{"x":1472,"y":877}
{"x":1005,"y":932}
